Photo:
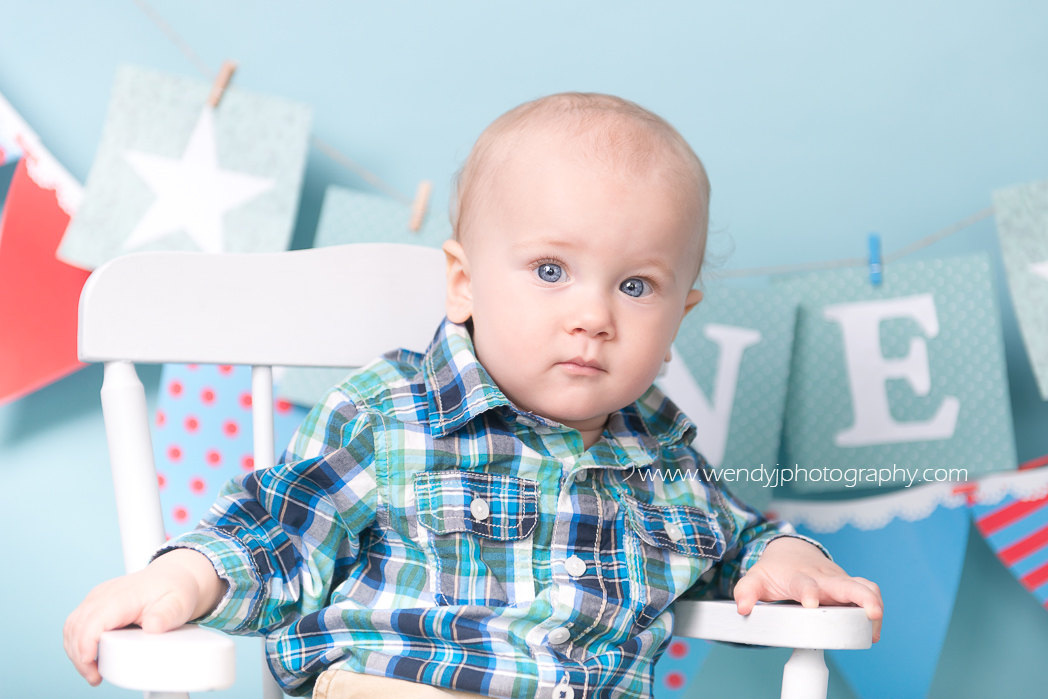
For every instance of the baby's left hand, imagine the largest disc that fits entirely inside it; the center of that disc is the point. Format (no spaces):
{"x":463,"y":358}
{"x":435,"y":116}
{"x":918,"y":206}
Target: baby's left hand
{"x":792,"y":569}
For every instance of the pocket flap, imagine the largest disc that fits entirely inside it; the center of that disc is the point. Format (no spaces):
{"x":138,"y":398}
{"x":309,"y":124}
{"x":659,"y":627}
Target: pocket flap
{"x":686,"y":530}
{"x":492,"y":506}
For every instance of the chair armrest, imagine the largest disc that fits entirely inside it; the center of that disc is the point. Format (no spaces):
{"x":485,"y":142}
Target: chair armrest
{"x":187,"y":659}
{"x":784,"y":625}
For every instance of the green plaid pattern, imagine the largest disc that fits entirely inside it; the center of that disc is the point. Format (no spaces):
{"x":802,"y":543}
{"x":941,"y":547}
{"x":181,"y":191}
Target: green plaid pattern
{"x":421,"y":527}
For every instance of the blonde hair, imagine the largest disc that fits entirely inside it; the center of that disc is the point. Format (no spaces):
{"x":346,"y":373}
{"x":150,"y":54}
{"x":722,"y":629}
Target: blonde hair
{"x":613,"y":130}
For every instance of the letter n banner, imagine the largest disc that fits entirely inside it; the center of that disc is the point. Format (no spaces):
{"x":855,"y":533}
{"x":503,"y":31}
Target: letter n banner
{"x":731,"y":361}
{"x":909,"y":373}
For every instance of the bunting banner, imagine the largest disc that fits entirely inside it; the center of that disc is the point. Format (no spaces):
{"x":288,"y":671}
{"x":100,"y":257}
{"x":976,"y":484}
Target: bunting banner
{"x":10,"y":151}
{"x":912,"y":544}
{"x":38,"y":294}
{"x":729,"y":375}
{"x":172,"y":173}
{"x":901,"y":378}
{"x":1021,"y":214}
{"x":354,"y":217}
{"x":202,"y":436}
{"x":1011,"y":512}
{"x":677,"y":672}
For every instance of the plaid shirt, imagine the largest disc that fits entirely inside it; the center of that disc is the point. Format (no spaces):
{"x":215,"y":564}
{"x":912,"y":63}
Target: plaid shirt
{"x":422,"y":527}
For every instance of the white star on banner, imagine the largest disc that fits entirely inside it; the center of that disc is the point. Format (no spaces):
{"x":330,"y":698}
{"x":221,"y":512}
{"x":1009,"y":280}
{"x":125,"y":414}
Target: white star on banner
{"x":192,"y":193}
{"x":1040,"y":268}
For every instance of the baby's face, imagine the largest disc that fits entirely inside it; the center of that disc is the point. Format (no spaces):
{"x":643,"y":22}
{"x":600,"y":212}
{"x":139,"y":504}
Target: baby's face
{"x":577,"y":277}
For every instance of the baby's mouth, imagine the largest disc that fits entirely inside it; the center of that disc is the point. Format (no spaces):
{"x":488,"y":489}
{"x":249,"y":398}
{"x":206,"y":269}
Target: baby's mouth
{"x":581,"y":367}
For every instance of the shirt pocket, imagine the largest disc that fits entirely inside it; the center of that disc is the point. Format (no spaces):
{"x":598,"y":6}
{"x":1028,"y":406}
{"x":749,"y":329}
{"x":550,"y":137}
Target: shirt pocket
{"x":478,"y":536}
{"x":667,"y":548}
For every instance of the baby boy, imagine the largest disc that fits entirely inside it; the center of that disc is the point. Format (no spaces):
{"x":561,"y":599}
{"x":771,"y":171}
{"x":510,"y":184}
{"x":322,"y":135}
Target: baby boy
{"x":476,"y":519}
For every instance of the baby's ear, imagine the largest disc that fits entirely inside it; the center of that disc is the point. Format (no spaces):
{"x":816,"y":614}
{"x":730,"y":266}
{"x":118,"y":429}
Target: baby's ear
{"x":692,"y":300}
{"x":458,"y":303}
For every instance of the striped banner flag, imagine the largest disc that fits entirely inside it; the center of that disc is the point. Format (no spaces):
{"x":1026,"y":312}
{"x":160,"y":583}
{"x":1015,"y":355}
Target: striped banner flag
{"x":1016,"y":528}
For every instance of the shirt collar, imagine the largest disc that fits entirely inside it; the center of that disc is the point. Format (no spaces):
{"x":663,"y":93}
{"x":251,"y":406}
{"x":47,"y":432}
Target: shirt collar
{"x":639,"y":431}
{"x":460,"y":389}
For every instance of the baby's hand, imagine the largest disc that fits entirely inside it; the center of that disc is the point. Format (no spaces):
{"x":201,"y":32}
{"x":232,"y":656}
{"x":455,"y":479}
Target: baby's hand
{"x":792,"y":569}
{"x":174,"y":588}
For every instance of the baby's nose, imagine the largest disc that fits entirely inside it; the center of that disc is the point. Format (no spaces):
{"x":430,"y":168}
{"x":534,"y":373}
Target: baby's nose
{"x":593,"y":318}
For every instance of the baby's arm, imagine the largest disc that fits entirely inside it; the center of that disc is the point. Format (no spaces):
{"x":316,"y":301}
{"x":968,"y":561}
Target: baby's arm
{"x":176,"y":587}
{"x":792,"y":569}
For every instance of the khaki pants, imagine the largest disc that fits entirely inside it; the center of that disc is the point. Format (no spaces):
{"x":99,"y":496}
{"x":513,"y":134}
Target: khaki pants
{"x":344,"y":684}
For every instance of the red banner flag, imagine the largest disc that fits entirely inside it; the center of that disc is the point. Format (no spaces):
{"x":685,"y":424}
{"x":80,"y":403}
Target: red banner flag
{"x":38,"y":293}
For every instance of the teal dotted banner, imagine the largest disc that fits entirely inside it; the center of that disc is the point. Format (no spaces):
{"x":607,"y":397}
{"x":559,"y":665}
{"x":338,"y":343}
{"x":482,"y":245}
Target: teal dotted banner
{"x":753,"y":331}
{"x":880,"y":413}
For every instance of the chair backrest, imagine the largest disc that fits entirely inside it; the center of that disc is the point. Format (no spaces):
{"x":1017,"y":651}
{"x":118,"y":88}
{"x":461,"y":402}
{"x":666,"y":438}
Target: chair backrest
{"x":338,"y":306}
{"x":335,"y":306}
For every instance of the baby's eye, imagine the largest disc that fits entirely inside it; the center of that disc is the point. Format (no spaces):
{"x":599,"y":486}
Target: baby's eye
{"x":635,"y":287}
{"x":549,"y":272}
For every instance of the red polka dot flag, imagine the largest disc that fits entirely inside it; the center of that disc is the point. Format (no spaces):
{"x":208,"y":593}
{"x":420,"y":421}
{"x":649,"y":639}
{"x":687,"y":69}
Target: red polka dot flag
{"x":202,"y":436}
{"x":678,"y":668}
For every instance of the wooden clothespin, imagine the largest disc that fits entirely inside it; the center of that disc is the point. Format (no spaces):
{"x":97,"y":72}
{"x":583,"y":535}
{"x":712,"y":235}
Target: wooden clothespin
{"x":225,"y":74}
{"x":419,"y":206}
{"x":876,"y":266}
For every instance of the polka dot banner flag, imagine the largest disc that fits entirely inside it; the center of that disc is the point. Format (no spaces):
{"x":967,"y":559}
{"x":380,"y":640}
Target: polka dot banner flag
{"x":202,"y":436}
{"x":678,"y":667}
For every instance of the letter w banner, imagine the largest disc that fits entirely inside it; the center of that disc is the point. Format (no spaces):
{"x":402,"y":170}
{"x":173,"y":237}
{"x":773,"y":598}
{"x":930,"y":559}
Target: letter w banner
{"x":38,"y":294}
{"x":908,"y":374}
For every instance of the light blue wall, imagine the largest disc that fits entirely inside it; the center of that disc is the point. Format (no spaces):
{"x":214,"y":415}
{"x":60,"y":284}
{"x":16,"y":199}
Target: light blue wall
{"x":818,"y":122}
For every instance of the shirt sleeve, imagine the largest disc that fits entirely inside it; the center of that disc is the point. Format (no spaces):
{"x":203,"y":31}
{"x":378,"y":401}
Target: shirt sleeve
{"x":281,"y":538}
{"x":747,"y":534}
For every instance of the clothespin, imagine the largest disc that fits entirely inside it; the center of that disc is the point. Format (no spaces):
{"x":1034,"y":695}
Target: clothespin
{"x":876,"y":268}
{"x":225,"y":74}
{"x":419,"y":206}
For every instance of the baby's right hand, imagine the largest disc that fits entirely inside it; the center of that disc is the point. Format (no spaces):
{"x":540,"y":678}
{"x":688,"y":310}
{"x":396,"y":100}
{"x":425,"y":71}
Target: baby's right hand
{"x":176,"y":587}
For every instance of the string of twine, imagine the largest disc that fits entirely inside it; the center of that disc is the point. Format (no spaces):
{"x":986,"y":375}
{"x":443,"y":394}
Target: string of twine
{"x":323,"y":146}
{"x":859,"y":261}
{"x":375,"y":181}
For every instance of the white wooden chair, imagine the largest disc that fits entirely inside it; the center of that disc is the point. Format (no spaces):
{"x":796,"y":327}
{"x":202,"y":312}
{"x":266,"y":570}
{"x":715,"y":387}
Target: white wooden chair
{"x":183,"y":307}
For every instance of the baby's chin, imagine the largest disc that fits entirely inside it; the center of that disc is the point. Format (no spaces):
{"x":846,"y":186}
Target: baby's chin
{"x":579,"y":420}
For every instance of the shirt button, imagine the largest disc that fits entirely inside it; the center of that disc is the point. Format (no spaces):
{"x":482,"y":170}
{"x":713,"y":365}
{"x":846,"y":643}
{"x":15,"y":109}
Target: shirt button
{"x":559,"y":636}
{"x":564,"y":692}
{"x":580,"y":477}
{"x":674,"y":532}
{"x":575,"y":566}
{"x":479,"y":508}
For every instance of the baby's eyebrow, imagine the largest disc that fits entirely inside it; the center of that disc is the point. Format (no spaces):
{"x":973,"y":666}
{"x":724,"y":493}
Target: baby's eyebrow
{"x":660,"y":268}
{"x":540,"y":242}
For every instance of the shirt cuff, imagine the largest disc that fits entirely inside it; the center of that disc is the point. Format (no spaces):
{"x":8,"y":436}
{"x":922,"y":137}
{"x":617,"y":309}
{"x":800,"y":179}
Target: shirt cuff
{"x":756,"y":548}
{"x":242,"y":600}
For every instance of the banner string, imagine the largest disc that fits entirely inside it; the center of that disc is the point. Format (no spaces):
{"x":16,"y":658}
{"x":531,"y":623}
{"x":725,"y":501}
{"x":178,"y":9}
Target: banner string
{"x":323,"y":146}
{"x":375,"y":181}
{"x":858,"y":261}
